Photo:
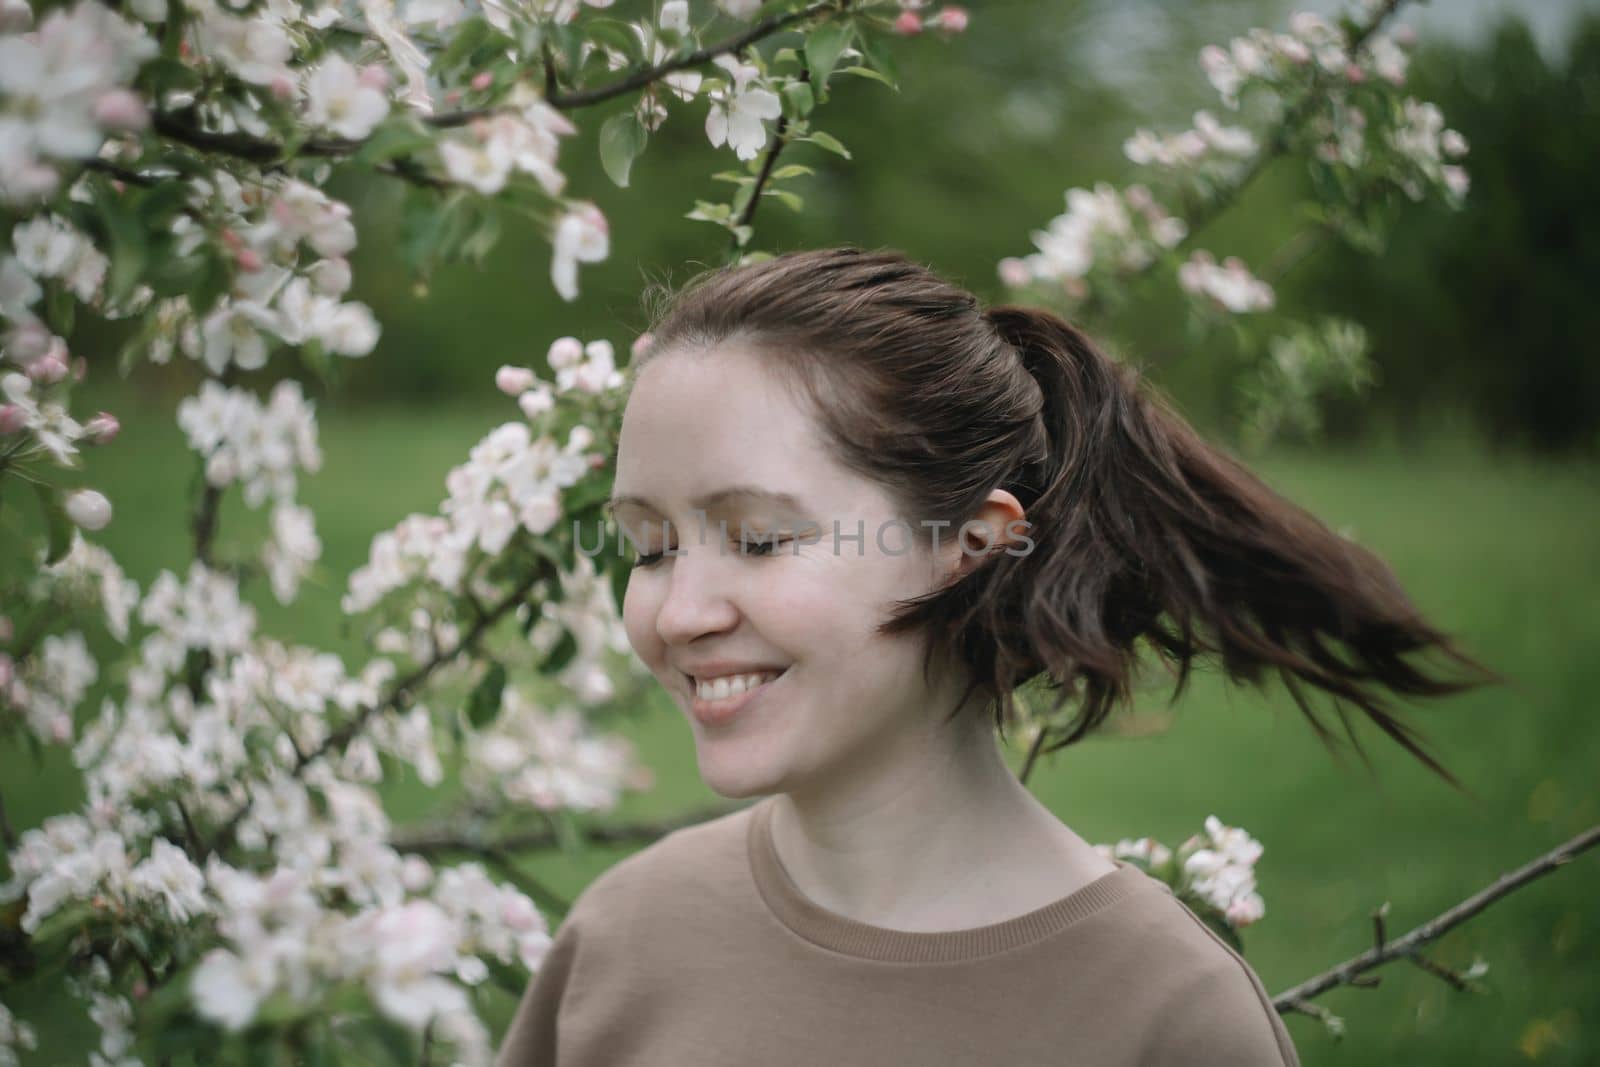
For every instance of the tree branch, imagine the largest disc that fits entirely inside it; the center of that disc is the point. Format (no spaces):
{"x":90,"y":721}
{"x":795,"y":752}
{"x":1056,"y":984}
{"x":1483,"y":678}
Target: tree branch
{"x":640,"y":78}
{"x":443,"y":838}
{"x":261,"y":151}
{"x":1408,"y":946}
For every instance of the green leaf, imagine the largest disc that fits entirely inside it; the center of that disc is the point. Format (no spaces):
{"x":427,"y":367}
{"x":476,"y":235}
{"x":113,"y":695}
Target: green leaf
{"x":824,"y":45}
{"x":58,"y":528}
{"x":707,"y":212}
{"x":868,"y":72}
{"x":397,"y":137}
{"x":799,"y":98}
{"x":468,"y":36}
{"x":565,"y":648}
{"x":879,"y":56}
{"x":622,"y":138}
{"x":482,"y":238}
{"x":619,"y":584}
{"x":616,"y":34}
{"x":126,"y":241}
{"x":791,"y":170}
{"x":792,"y":200}
{"x":484,"y":702}
{"x":828,"y":141}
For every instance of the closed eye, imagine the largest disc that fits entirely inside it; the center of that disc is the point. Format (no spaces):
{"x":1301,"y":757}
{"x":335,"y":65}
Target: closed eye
{"x":763,"y":546}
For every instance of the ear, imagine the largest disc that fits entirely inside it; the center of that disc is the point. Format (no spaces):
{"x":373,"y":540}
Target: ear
{"x":987,"y":532}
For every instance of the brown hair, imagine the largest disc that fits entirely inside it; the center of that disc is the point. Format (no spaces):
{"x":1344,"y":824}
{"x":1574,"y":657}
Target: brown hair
{"x":1142,"y":529}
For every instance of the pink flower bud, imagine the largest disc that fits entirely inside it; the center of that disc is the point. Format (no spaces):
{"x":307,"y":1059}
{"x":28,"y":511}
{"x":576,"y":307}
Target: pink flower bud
{"x":453,"y":97}
{"x":121,"y":109}
{"x":952,"y":19}
{"x":102,"y":428}
{"x":12,"y":418}
{"x":80,"y":368}
{"x":1404,"y":36}
{"x":249,"y":260}
{"x":907,"y":24}
{"x":1014,"y":272}
{"x":47,"y":371}
{"x":373,"y":76}
{"x":514,"y":381}
{"x":565,"y":352}
{"x":1354,"y":74}
{"x":231,"y":239}
{"x":282,"y":86}
{"x":482,"y":80}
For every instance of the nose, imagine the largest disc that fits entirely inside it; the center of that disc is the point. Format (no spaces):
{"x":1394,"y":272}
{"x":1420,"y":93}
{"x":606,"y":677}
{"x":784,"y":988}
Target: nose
{"x":695,"y":603}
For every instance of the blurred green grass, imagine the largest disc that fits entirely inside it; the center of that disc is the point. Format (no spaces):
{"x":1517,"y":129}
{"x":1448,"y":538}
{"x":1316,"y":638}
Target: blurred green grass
{"x":1503,"y":552}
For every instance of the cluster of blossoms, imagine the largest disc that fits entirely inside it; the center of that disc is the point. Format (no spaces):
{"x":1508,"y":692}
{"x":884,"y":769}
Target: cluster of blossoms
{"x":63,"y":88}
{"x":1228,"y":285}
{"x":1285,"y":60}
{"x":1217,"y":866}
{"x":1423,"y":140}
{"x":336,"y":904}
{"x":1220,"y":867}
{"x":1122,"y":229}
{"x":243,"y":440}
{"x":1208,"y":143}
{"x":512,"y":480}
{"x":525,"y":138}
{"x":549,"y":760}
{"x":262,"y":446}
{"x":47,"y":687}
{"x":287,"y":243}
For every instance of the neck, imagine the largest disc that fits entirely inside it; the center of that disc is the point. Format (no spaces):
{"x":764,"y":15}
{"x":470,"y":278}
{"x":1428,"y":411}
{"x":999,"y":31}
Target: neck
{"x":940,"y":835}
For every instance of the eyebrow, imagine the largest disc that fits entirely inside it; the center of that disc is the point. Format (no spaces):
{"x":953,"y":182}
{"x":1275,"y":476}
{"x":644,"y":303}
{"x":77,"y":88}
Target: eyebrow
{"x":707,"y":501}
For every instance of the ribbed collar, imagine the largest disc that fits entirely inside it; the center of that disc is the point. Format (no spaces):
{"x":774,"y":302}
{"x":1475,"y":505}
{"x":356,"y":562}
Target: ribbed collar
{"x":852,"y":938}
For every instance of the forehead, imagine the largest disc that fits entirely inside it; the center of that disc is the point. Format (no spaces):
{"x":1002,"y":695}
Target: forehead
{"x":699,"y":421}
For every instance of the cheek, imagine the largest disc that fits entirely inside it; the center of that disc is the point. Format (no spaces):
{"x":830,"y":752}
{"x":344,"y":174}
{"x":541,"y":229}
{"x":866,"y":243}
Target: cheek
{"x":639,"y":605}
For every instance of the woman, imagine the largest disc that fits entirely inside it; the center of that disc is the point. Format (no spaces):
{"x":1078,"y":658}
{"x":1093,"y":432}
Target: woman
{"x":803,"y":441}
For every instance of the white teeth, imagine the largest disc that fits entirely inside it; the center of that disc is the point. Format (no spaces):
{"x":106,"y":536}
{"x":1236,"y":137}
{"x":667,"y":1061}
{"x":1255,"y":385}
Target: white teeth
{"x":732,"y":685}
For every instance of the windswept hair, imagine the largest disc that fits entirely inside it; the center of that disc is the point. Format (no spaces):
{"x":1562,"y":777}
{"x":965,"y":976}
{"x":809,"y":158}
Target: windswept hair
{"x":1141,"y":528}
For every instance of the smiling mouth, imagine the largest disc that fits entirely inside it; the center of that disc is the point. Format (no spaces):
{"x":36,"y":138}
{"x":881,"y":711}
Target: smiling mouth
{"x":714,"y":710}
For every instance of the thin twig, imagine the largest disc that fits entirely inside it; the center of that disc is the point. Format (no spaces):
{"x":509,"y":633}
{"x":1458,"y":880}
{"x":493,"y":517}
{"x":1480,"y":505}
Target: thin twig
{"x":1033,"y":753}
{"x":7,"y":833}
{"x":1408,"y":946}
{"x":441,"y":838}
{"x":644,"y":76}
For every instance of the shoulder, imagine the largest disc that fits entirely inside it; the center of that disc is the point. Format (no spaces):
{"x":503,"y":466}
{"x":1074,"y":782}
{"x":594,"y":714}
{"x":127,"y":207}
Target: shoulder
{"x":1206,"y":1004}
{"x":692,"y":862}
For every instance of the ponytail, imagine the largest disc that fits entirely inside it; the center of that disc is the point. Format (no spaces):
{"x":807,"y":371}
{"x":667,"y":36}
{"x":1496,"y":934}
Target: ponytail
{"x":1143,"y":529}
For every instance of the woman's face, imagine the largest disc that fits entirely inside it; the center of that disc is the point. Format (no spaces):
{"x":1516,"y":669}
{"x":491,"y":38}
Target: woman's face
{"x":847,"y":700}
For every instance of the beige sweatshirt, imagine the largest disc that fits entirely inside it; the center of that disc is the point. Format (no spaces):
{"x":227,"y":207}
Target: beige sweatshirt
{"x":699,"y":951}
